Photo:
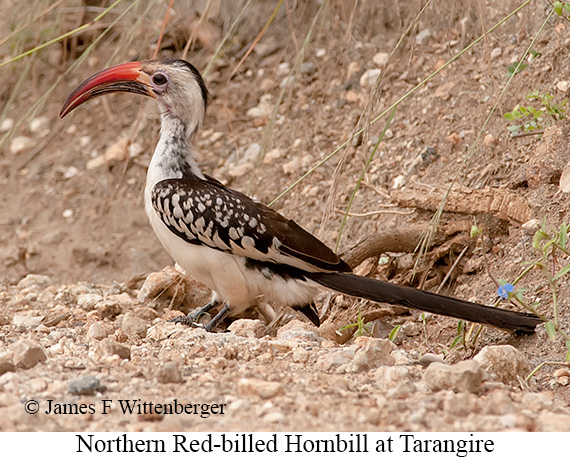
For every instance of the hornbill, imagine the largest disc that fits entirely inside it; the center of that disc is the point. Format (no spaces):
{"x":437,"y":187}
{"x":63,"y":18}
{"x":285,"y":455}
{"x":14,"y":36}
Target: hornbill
{"x":241,"y":249}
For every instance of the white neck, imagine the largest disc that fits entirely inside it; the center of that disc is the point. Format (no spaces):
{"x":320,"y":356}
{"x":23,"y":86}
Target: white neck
{"x":173,"y":157}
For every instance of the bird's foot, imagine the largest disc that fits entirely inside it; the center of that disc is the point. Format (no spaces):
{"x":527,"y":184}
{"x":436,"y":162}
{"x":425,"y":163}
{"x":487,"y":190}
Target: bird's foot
{"x":192,"y":319}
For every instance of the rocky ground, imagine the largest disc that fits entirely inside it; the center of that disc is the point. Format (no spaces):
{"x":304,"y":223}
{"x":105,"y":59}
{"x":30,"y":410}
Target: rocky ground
{"x":85,"y":295}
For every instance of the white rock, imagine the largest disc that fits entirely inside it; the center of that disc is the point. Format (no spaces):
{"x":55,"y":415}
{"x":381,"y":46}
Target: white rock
{"x":287,"y":80}
{"x":40,"y":126}
{"x":380,"y":59}
{"x":70,"y":172}
{"x":95,"y":163}
{"x":530,"y":227}
{"x":369,"y":77}
{"x":272,"y":155}
{"x":20,"y":143}
{"x":564,"y":182}
{"x":465,"y":376}
{"x":259,"y":387}
{"x":496,"y":52}
{"x":237,"y":171}
{"x":283,"y":69}
{"x":7,"y":124}
{"x":563,"y":86}
{"x":421,"y":36}
{"x":251,"y":153}
{"x":135,"y":149}
{"x":374,"y":352}
{"x":118,"y":151}
{"x":67,"y":213}
{"x":398,"y":182}
{"x":504,"y":363}
{"x":249,"y":328}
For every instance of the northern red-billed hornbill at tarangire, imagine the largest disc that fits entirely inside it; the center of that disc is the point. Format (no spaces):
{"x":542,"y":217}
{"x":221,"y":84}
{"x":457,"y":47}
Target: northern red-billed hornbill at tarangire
{"x":243,"y":250}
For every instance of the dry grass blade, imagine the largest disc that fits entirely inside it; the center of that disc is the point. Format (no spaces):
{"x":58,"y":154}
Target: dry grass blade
{"x":65,"y":35}
{"x":162,"y":28}
{"x":263,"y":30}
{"x":226,"y":37}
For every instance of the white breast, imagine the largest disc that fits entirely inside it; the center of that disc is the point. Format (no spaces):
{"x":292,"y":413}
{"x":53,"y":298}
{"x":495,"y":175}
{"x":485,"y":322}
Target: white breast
{"x":227,"y":274}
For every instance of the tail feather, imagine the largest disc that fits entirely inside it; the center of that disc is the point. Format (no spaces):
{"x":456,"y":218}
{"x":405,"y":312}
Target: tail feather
{"x":385,"y":292}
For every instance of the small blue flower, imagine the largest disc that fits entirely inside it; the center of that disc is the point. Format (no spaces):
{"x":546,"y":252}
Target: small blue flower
{"x":504,"y":291}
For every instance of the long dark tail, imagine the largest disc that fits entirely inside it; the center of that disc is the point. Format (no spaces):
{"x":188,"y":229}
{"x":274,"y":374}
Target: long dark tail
{"x":385,"y":292}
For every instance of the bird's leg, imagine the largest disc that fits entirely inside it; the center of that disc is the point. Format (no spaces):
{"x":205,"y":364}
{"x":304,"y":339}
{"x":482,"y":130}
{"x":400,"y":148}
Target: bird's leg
{"x":192,"y":318}
{"x":217,"y":318}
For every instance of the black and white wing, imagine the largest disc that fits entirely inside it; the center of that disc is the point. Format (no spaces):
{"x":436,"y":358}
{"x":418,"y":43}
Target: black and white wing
{"x":204,"y":212}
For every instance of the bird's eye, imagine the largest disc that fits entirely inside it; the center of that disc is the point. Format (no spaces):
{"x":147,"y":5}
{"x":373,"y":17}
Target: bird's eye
{"x":159,"y":79}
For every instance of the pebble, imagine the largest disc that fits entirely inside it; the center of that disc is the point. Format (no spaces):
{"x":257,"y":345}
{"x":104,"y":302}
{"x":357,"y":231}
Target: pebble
{"x":352,"y":69}
{"x":267,"y":84}
{"x":422,"y":35}
{"x":396,"y":381}
{"x":27,"y":354}
{"x":320,"y":52}
{"x":39,"y":126}
{"x":108,"y":346}
{"x":85,"y":385}
{"x":169,"y":373}
{"x":465,"y":376}
{"x":261,"y":388}
{"x":380,"y":59}
{"x":373,"y":353}
{"x":6,"y":124}
{"x":272,"y":156}
{"x":133,"y":325}
{"x":27,"y":319}
{"x":429,"y":358}
{"x":6,"y":363}
{"x":108,"y":308}
{"x":88,"y":301}
{"x":21,"y":143}
{"x":251,"y":153}
{"x":563,"y":86}
{"x":283,"y":69}
{"x":263,"y":109}
{"x":299,"y":334}
{"x":249,"y":328}
{"x":461,"y":404}
{"x":398,"y":182}
{"x":169,"y":284}
{"x":531,"y":226}
{"x":504,"y":363}
{"x":100,"y":330}
{"x":308,"y":68}
{"x":118,"y":151}
{"x":34,"y":280}
{"x":564,"y":182}
{"x":488,"y":140}
{"x":292,"y":166}
{"x":553,"y":422}
{"x":496,"y":53}
{"x":336,"y":360}
{"x":499,"y":403}
{"x":369,"y":77}
{"x":287,"y":80}
{"x":562,"y":376}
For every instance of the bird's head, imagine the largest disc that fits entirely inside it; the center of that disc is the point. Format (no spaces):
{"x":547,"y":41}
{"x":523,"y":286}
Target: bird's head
{"x":175,"y":84}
